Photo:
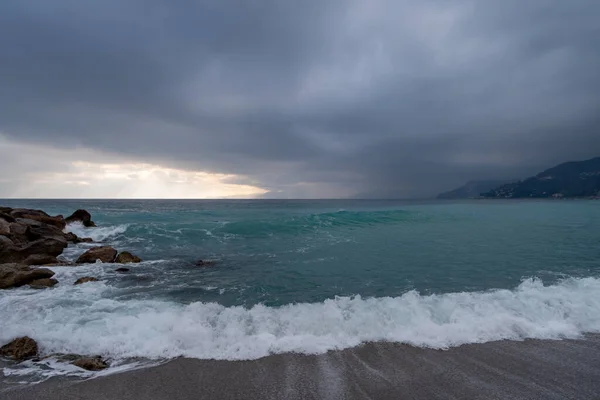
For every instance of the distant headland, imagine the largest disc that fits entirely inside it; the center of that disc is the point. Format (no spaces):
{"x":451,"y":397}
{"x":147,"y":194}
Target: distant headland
{"x":574,"y":179}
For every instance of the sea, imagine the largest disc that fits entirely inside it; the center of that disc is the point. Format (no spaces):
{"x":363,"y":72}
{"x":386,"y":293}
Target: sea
{"x":308,"y":276}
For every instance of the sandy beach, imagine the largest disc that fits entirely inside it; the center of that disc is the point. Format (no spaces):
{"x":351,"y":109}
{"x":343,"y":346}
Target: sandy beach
{"x":533,"y":369}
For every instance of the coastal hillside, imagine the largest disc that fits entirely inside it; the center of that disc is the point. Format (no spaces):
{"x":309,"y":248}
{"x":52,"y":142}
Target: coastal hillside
{"x":570,"y":179}
{"x":472,"y":189}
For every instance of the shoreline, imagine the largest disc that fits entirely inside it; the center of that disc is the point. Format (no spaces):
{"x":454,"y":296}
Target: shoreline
{"x":531,"y":369}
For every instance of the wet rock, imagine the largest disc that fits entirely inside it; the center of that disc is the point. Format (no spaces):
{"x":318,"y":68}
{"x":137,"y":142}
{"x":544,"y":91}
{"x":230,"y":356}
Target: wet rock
{"x":11,"y":252}
{"x":38,"y":230}
{"x":91,"y":363}
{"x":20,"y":234}
{"x":73,"y":238}
{"x":40,"y":259}
{"x":5,"y":215}
{"x":20,"y":349}
{"x":38,"y":215}
{"x":127,"y":258}
{"x":205,"y":263}
{"x":85,"y":279}
{"x":4,"y":227}
{"x":43,"y":283}
{"x":106,"y":254}
{"x":81,"y":216}
{"x":15,"y":275}
{"x":7,"y":248}
{"x":65,"y":357}
{"x":122,"y":269}
{"x":47,"y":246}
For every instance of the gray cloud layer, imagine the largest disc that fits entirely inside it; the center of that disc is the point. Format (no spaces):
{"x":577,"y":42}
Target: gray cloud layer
{"x":372,"y":98}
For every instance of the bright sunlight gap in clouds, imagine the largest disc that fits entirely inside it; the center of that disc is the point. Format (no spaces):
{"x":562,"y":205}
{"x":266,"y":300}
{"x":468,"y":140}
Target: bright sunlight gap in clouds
{"x":80,"y":173}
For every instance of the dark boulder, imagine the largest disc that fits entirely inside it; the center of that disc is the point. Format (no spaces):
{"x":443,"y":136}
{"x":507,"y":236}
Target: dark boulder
{"x":20,"y":349}
{"x":73,"y":238}
{"x":106,"y":254}
{"x":38,"y":230}
{"x":85,"y":279}
{"x":19,"y":251}
{"x":91,"y":363}
{"x":38,"y":215}
{"x":6,"y":245}
{"x":5,"y":215}
{"x":20,"y":234}
{"x":43,"y":283}
{"x":122,"y":269}
{"x":81,"y":216}
{"x":127,"y":258}
{"x":15,"y":275}
{"x":46,"y":246}
{"x":40,"y":259}
{"x":4,"y":227}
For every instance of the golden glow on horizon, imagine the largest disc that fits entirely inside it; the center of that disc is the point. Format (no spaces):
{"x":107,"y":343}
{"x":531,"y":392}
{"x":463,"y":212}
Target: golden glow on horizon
{"x":140,"y":180}
{"x":47,"y":172}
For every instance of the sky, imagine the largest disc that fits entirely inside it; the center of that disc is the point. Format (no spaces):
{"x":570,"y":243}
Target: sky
{"x":291,"y":99}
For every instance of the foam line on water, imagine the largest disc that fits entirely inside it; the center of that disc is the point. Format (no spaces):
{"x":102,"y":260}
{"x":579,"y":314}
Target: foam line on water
{"x":86,"y":320}
{"x":98,"y":234}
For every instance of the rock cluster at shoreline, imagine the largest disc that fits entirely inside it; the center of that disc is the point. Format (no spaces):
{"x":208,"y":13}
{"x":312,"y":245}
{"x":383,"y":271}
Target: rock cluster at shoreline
{"x":32,"y":239}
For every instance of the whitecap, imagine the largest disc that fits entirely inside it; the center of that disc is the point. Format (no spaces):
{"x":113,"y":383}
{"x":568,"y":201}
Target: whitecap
{"x":98,"y":234}
{"x":86,"y":320}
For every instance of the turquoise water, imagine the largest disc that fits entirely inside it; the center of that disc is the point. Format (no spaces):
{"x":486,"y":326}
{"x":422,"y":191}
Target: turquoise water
{"x":279,"y":252}
{"x":312,"y":276}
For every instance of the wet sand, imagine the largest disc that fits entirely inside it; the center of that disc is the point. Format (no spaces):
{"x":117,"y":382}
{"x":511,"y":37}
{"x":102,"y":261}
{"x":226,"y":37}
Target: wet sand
{"x":534,"y":369}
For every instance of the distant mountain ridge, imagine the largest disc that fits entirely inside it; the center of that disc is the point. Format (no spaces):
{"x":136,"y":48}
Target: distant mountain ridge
{"x":570,"y":179}
{"x":473,"y":189}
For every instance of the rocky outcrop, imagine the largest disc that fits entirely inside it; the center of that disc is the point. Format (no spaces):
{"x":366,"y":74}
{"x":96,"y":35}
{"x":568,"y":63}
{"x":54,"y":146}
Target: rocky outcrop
{"x":91,"y":363}
{"x":105,"y":254}
{"x":73,"y":238}
{"x":127,"y":258}
{"x":81,"y":216}
{"x":45,"y":246}
{"x":40,"y":216}
{"x":16,"y":275}
{"x":31,"y":236}
{"x":40,"y":259}
{"x":5,"y":214}
{"x":43,"y":283}
{"x":4,"y":227}
{"x":85,"y":279}
{"x":37,"y":230}
{"x":20,"y":349}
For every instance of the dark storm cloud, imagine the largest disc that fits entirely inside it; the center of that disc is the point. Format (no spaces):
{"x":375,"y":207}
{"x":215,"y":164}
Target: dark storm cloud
{"x":377,"y":98}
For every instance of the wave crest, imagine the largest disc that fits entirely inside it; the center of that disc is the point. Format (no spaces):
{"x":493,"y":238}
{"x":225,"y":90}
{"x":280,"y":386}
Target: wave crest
{"x":98,"y":234}
{"x":82,"y":320}
{"x":312,"y":222}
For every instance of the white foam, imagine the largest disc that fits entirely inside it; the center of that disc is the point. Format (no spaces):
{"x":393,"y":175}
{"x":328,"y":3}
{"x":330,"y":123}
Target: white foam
{"x":86,"y":320}
{"x":98,"y":234}
{"x":39,"y":371}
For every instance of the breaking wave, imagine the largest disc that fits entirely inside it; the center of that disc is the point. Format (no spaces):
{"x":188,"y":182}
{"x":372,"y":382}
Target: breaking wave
{"x":99,"y":234}
{"x":86,"y":320}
